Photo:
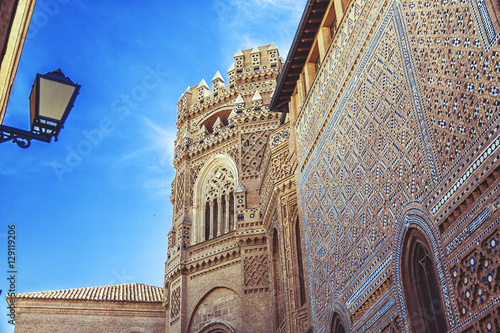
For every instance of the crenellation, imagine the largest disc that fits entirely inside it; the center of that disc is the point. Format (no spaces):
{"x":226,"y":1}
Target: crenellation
{"x":241,"y":72}
{"x":217,"y":82}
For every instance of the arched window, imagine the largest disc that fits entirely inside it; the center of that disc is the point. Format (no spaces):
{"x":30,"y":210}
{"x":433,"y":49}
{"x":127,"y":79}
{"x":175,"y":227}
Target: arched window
{"x":298,"y":245}
{"x":213,"y":202}
{"x":337,"y":326}
{"x":279,"y":306}
{"x":218,"y":192}
{"x":421,"y":285}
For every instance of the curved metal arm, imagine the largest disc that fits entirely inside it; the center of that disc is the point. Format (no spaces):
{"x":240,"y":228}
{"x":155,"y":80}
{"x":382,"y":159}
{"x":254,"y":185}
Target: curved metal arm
{"x":20,"y":137}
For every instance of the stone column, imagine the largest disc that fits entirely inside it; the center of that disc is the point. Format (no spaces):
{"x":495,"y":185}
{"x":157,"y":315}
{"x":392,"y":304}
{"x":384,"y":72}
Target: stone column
{"x":235,"y":216}
{"x":219,"y":216}
{"x":226,"y":229}
{"x":200,"y":210}
{"x":211,"y":219}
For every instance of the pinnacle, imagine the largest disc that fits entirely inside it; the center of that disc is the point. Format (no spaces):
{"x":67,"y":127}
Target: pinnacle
{"x":256,"y":96}
{"x":218,"y":122}
{"x":203,"y":83}
{"x":232,"y":115}
{"x":238,"y":54}
{"x":188,"y":90}
{"x":203,"y":129}
{"x":218,"y":76}
{"x":255,"y":50}
{"x":239,"y":100}
{"x":272,"y":47}
{"x":185,"y":219}
{"x":231,"y":68}
{"x":240,"y":188}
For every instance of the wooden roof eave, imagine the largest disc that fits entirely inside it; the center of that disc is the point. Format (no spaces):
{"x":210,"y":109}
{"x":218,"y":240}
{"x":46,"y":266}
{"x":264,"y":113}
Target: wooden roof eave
{"x":297,"y":56}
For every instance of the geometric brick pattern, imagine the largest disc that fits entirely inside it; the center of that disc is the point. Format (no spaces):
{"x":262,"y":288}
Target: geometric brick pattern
{"x":459,"y":80}
{"x":476,"y":278}
{"x":175,"y":303}
{"x":421,"y":98}
{"x":256,"y":271}
{"x":179,"y":192}
{"x":369,"y":167}
{"x":253,"y":146}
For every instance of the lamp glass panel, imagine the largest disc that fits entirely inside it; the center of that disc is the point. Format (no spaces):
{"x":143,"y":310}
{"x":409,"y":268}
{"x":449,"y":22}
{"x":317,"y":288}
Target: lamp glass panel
{"x":33,"y":101}
{"x":54,"y":98}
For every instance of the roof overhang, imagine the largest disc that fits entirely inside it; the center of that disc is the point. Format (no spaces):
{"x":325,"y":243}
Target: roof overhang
{"x":299,"y":51}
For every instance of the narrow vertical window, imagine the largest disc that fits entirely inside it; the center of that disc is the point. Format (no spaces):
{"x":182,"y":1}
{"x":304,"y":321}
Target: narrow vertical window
{"x":207,"y":221}
{"x":216,"y":218}
{"x":278,"y":290}
{"x":231,"y":211}
{"x":224,"y":212}
{"x":298,"y":245}
{"x":421,"y":285}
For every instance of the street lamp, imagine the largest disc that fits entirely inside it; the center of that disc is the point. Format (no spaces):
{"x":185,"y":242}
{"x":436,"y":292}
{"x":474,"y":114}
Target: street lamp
{"x":51,"y":100}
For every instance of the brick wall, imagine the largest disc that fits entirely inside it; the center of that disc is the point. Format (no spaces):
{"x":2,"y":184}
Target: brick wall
{"x":62,"y":316}
{"x":221,"y":305}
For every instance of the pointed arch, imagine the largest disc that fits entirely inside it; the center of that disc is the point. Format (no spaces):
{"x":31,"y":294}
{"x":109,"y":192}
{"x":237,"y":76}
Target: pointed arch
{"x":217,"y":327}
{"x":416,"y":241}
{"x":339,"y":316}
{"x":337,"y":326}
{"x":213,"y":202}
{"x":224,"y":306}
{"x":421,"y":284}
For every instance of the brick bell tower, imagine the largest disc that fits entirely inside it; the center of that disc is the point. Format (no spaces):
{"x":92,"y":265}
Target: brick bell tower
{"x":217,"y":270}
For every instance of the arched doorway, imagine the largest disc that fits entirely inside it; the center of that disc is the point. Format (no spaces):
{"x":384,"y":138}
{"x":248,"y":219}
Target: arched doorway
{"x":337,"y":325}
{"x":421,"y":284}
{"x":217,"y":328}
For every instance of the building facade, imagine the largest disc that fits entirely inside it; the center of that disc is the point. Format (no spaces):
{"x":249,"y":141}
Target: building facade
{"x":352,"y":188}
{"x":394,"y":111}
{"x":218,"y":272}
{"x":125,"y":308}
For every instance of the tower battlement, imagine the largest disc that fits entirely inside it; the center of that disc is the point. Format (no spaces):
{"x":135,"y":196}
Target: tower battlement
{"x":206,"y":115}
{"x":253,"y":64}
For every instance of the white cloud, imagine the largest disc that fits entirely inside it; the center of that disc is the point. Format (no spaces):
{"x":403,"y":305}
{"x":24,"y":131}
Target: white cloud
{"x":246,"y":24}
{"x":147,"y":162}
{"x":162,"y":142}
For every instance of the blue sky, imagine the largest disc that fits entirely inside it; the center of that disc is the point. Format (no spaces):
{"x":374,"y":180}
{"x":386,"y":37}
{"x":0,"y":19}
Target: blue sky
{"x":93,"y":208}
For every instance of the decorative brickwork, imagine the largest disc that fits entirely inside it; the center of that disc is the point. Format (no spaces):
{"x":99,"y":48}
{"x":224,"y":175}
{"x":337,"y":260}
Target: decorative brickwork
{"x":396,"y":117}
{"x":378,"y":189}
{"x":256,"y":271}
{"x":179,"y":192}
{"x":175,"y":303}
{"x":252,"y":149}
{"x":476,"y":279}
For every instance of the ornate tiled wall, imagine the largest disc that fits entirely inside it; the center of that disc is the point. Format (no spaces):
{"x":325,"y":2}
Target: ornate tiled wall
{"x":400,"y":128}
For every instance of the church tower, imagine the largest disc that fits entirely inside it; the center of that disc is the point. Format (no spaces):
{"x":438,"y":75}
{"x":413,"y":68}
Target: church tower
{"x":217,"y":270}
